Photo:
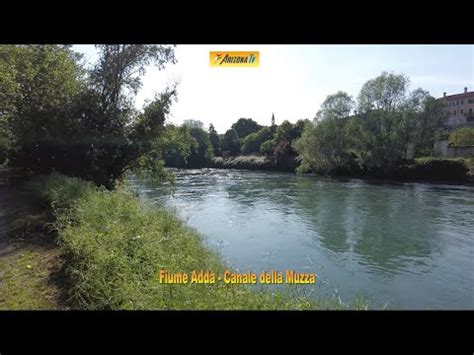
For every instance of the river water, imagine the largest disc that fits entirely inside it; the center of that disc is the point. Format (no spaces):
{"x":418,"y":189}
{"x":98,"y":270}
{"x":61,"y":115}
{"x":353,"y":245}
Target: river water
{"x":398,"y":245}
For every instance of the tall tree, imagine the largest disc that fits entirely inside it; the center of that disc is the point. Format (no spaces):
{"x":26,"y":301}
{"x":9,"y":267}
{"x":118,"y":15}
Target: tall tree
{"x":245,"y":126}
{"x":202,"y":151}
{"x":230,"y":142}
{"x":384,"y":108}
{"x":322,"y":146}
{"x":252,"y":143}
{"x":215,"y":140}
{"x":85,"y":125}
{"x":193,"y":123}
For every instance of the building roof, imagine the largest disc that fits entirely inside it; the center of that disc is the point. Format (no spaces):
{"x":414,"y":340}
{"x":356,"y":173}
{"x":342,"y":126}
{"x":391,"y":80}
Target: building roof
{"x":458,"y":96}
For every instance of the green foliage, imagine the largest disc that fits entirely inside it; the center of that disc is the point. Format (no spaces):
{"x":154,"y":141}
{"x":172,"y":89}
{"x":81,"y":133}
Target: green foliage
{"x":251,"y":162}
{"x":283,"y":138}
{"x":426,"y":119}
{"x":388,"y":115}
{"x":177,"y":145}
{"x":251,"y":143}
{"x":202,"y":151}
{"x":245,"y":126}
{"x":186,"y":147}
{"x":215,"y":140}
{"x":193,"y":124}
{"x":25,"y":282}
{"x":320,"y":148}
{"x":429,"y":168}
{"x":389,"y":123}
{"x":114,"y":246}
{"x":462,"y":137}
{"x":38,"y":82}
{"x":266,"y":148}
{"x":61,"y":119}
{"x":230,"y":142}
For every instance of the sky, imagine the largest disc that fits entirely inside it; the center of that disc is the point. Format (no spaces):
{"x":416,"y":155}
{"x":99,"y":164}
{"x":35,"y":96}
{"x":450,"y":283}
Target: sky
{"x":293,"y":80}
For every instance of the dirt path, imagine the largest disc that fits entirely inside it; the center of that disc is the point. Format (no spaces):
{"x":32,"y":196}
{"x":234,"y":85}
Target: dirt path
{"x":10,"y":206}
{"x":29,"y":265}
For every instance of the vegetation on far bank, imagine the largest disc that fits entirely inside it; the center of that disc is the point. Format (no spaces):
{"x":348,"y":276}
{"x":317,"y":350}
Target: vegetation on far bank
{"x":59,"y":113}
{"x":113,"y":246}
{"x":462,"y":137}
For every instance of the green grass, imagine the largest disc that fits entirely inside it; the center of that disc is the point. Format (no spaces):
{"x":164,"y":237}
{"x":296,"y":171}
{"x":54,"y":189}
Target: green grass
{"x":114,"y":245}
{"x":25,"y":280}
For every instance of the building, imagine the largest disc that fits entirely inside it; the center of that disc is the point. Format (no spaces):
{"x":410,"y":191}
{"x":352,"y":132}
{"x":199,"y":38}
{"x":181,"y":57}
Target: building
{"x":458,"y":109}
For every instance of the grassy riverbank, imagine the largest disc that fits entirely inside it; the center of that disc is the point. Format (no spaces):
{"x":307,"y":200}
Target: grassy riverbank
{"x":113,"y":245}
{"x":460,"y":170}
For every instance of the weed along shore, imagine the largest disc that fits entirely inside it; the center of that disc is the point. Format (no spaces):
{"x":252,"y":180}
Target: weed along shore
{"x":120,"y":252}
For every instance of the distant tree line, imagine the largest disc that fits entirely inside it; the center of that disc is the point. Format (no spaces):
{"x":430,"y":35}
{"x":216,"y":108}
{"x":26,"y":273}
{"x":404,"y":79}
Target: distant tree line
{"x":245,"y":137}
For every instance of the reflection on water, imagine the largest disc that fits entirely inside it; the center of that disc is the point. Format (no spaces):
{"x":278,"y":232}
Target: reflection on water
{"x":408,"y":244}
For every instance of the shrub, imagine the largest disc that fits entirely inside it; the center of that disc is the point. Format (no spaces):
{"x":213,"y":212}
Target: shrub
{"x":462,"y":136}
{"x":251,"y":162}
{"x":435,"y":169}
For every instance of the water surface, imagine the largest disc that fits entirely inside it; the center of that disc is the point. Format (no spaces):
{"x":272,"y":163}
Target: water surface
{"x":404,"y":245}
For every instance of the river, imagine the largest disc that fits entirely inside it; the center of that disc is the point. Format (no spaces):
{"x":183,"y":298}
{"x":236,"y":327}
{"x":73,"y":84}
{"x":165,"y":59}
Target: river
{"x":398,"y":245}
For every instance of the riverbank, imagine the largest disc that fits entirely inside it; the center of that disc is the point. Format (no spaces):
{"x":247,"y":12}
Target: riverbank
{"x":112,"y":246}
{"x":428,"y":169}
{"x":29,"y":259}
{"x":255,"y":162}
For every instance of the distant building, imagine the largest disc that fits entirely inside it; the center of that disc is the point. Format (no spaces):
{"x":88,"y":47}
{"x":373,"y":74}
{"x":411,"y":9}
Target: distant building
{"x":458,"y":109}
{"x":273,"y":119}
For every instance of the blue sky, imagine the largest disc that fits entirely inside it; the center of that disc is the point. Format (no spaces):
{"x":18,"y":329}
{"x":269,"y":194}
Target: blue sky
{"x":293,"y":80}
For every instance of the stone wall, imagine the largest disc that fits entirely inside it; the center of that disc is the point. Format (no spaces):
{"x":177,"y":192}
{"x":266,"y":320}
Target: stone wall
{"x":444,"y":150}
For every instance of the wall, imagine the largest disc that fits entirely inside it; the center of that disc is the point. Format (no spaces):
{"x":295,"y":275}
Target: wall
{"x":444,"y":150}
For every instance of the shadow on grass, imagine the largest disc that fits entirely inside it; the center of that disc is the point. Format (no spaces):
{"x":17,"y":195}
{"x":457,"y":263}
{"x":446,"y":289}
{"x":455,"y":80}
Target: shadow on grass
{"x":32,"y":274}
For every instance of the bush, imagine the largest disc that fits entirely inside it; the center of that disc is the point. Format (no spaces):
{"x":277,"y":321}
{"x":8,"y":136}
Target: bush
{"x":435,"y":169}
{"x":462,"y":137}
{"x":251,"y":162}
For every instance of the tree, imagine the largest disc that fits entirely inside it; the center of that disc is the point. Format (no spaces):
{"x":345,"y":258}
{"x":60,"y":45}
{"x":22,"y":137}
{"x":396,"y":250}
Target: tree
{"x":178,"y":144}
{"x":337,"y":106}
{"x":318,"y":148}
{"x":117,"y":75}
{"x":38,"y":84}
{"x":283,"y":138}
{"x":322,"y":146}
{"x":193,"y":123}
{"x":231,"y":143}
{"x":201,"y":152}
{"x":390,"y":122}
{"x":85,"y":125}
{"x":266,"y":148}
{"x":245,"y":126}
{"x":383,"y":111}
{"x":251,"y":143}
{"x":215,"y":140}
{"x":427,"y":125}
